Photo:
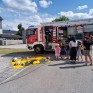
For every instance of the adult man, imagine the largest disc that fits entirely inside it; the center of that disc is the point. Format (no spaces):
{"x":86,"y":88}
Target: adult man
{"x":48,"y":35}
{"x":87,"y":45}
{"x":91,"y":48}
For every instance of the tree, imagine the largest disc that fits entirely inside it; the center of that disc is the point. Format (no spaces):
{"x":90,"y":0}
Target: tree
{"x":20,"y":29}
{"x":63,"y":18}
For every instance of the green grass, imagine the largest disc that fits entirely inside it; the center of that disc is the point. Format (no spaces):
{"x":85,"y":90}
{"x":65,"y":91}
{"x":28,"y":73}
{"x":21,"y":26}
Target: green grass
{"x":8,"y":51}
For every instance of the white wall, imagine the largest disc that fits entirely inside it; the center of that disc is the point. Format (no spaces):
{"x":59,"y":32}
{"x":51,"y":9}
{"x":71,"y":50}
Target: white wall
{"x":1,"y":32}
{"x":11,"y":42}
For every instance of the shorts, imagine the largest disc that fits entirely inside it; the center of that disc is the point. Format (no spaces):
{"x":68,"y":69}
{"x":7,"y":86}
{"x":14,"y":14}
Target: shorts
{"x":86,"y":52}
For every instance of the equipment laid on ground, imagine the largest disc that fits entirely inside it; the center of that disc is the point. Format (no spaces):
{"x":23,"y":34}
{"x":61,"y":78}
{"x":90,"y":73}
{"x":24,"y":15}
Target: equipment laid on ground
{"x":23,"y":62}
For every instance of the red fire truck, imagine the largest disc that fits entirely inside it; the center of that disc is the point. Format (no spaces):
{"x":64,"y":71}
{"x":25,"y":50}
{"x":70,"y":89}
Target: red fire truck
{"x":36,"y":35}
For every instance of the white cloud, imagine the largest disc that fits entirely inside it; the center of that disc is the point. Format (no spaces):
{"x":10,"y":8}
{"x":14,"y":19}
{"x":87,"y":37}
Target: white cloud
{"x":7,"y":9}
{"x":45,"y":3}
{"x":31,"y":20}
{"x":36,"y":18}
{"x":21,"y":5}
{"x":91,"y":12}
{"x":73,"y":15}
{"x":82,"y":7}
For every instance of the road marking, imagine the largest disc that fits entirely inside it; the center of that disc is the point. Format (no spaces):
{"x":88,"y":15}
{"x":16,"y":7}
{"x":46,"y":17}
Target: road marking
{"x":13,"y":75}
{"x":4,"y":81}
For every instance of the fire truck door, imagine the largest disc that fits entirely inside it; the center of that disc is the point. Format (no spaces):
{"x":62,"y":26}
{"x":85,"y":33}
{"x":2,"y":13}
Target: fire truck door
{"x":32,"y":36}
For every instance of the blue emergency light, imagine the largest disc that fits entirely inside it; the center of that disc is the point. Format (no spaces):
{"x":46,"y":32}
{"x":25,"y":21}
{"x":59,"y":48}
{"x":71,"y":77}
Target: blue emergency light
{"x":31,"y":26}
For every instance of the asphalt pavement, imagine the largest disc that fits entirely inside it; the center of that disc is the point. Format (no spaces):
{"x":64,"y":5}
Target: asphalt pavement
{"x":54,"y":77}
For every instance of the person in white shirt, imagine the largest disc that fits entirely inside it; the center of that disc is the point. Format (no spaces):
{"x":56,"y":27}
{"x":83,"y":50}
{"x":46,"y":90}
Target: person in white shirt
{"x":73,"y":51}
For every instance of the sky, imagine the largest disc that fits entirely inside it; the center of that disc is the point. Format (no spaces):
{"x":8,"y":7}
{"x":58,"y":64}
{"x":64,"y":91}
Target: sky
{"x":34,"y":12}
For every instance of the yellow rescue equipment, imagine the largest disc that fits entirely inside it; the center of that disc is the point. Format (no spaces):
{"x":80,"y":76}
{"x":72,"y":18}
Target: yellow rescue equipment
{"x":22,"y":62}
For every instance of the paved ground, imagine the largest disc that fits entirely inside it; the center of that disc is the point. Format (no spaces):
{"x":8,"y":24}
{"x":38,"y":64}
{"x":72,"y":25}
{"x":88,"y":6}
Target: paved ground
{"x":55,"y":77}
{"x":6,"y":70}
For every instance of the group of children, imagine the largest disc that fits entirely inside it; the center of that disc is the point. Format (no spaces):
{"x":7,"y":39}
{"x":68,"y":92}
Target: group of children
{"x":63,"y":51}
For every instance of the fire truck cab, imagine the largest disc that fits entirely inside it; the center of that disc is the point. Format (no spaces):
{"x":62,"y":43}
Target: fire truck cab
{"x":43,"y":37}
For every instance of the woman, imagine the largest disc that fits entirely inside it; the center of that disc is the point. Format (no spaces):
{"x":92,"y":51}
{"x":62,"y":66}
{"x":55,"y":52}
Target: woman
{"x":73,"y":51}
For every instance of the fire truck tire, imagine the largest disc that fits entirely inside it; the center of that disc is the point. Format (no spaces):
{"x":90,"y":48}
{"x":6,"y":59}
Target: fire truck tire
{"x":38,"y":49}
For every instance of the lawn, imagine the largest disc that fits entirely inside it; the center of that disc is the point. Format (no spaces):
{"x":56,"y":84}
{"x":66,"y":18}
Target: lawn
{"x":8,"y":51}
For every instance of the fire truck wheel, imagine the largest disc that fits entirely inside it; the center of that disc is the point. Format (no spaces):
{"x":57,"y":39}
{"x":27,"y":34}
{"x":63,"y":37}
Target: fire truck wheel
{"x":38,"y":49}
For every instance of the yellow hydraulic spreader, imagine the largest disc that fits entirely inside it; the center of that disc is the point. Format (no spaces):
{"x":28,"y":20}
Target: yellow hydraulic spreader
{"x":23,"y":62}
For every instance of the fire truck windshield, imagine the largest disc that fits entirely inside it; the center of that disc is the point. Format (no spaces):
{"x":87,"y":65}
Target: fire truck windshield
{"x":31,"y":32}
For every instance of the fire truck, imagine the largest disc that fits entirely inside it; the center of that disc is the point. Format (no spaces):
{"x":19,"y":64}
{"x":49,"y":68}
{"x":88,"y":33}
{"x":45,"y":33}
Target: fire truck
{"x":36,"y":38}
{"x":36,"y":35}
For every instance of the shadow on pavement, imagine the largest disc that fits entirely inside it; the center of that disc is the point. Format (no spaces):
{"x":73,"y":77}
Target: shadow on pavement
{"x":21,"y":75}
{"x":29,"y":54}
{"x":69,"y":67}
{"x":66,"y":62}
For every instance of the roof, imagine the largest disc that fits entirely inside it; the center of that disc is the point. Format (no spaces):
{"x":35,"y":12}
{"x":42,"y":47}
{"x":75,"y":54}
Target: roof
{"x":9,"y":32}
{"x":1,"y":18}
{"x":10,"y":36}
{"x":69,"y":23}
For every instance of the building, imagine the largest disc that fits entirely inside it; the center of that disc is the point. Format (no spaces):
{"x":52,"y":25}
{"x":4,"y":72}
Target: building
{"x":10,"y":34}
{"x":1,"y":24}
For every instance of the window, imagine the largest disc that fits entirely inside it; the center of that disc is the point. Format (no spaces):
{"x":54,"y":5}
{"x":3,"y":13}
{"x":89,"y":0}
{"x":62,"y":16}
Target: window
{"x":71,"y":30}
{"x":31,"y":32}
{"x":88,"y":28}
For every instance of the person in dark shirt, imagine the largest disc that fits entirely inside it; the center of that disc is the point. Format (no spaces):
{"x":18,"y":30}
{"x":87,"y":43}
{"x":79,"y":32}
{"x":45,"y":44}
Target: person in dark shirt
{"x":48,"y":35}
{"x":91,"y":48}
{"x":68,"y":39}
{"x":91,"y":39}
{"x":67,"y":49}
{"x":63,"y":52}
{"x":87,"y":45}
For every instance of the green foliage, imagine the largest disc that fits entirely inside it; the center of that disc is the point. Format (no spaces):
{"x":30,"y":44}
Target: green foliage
{"x":20,"y":29}
{"x":63,"y":18}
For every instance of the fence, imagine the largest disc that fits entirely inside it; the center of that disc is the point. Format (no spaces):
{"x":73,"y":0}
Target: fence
{"x":10,"y":42}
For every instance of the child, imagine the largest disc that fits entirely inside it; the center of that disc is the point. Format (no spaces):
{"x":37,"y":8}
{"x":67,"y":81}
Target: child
{"x":57,"y":51}
{"x":67,"y":50}
{"x":63,"y":52}
{"x":79,"y":53}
